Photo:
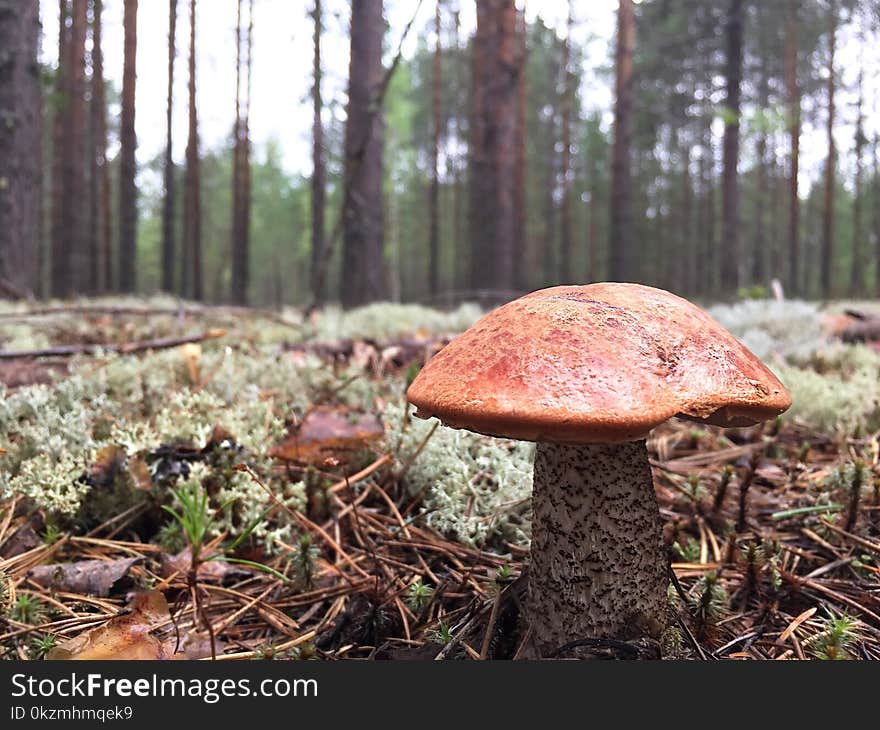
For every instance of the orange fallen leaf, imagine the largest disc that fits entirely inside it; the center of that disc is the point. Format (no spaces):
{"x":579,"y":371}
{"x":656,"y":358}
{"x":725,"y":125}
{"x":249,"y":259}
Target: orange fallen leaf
{"x":128,"y":635}
{"x":329,"y":433}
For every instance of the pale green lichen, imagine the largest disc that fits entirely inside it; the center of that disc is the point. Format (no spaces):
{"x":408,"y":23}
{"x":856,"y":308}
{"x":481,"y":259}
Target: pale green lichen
{"x":768,"y":327}
{"x":475,"y":488}
{"x":385,"y":321}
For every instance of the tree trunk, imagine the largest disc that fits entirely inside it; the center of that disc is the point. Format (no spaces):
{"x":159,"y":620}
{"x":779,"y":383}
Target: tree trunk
{"x":826,"y":266}
{"x":168,"y":247}
{"x":620,"y":240}
{"x":127,"y":164}
{"x":59,"y":263}
{"x":76,"y":222}
{"x":100,"y":227}
{"x":857,"y":273}
{"x":239,"y":260}
{"x":434,"y":190}
{"x":192,"y":207}
{"x":20,"y":146}
{"x":363,"y":271}
{"x":319,"y":174}
{"x":794,"y":135}
{"x":875,"y":147}
{"x":493,"y":163}
{"x":520,"y":278}
{"x":730,"y":251}
{"x":566,"y":244}
{"x":758,"y":272}
{"x":244,"y":262}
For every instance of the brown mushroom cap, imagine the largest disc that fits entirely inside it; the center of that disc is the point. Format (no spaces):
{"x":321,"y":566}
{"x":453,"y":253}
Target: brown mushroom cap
{"x":597,"y":363}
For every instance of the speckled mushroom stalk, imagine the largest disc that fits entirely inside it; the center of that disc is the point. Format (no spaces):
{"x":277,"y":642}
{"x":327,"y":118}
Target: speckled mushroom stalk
{"x":598,"y":568}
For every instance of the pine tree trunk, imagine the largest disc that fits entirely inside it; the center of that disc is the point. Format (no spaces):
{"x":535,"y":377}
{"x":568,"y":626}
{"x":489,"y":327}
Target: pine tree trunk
{"x":875,"y":148}
{"x":238,"y":293}
{"x":168,"y":204}
{"x":60,"y":266}
{"x":100,"y":228}
{"x":244,"y":263}
{"x":76,"y":154}
{"x":192,"y":208}
{"x":520,"y":255}
{"x":363,"y":271}
{"x":620,"y":240}
{"x":434,"y":190}
{"x":319,"y":174}
{"x":493,"y":159}
{"x":127,"y":163}
{"x":566,"y":245}
{"x":20,"y":147}
{"x":794,"y":136}
{"x":730,"y":249}
{"x":826,"y":265}
{"x":857,"y":273}
{"x":758,"y":273}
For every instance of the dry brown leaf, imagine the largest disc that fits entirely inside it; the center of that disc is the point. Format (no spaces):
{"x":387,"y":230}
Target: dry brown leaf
{"x":88,"y":577}
{"x":329,"y":433}
{"x":128,"y":635}
{"x":209,"y":571}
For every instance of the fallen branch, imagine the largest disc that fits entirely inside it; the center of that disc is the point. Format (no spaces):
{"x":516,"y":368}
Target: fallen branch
{"x":126,"y":348}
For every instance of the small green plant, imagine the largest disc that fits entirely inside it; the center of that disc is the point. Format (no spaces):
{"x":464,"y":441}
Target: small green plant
{"x":710,"y":602}
{"x":27,"y":609}
{"x":305,"y":562}
{"x":192,"y":515}
{"x":723,"y":484}
{"x":4,"y":591}
{"x":42,"y":645}
{"x":503,"y":575}
{"x":418,"y":596}
{"x":170,"y":537}
{"x":51,"y":533}
{"x":442,"y":634}
{"x":689,"y":550}
{"x":836,"y":640}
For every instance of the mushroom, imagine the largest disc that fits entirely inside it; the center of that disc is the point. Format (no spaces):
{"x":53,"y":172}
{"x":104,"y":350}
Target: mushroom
{"x":586,"y":372}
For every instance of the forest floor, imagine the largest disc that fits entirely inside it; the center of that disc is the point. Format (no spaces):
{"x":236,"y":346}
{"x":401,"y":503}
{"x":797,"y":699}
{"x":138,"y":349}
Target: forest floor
{"x":263,"y":492}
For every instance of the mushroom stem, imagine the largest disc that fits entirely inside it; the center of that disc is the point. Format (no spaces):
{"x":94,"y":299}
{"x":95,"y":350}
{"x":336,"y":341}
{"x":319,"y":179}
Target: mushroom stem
{"x":598,"y":568}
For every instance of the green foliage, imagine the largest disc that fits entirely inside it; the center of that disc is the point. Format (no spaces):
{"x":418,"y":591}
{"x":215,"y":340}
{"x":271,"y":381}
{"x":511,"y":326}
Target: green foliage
{"x":836,"y":640}
{"x":27,"y":609}
{"x":192,"y":512}
{"x":305,"y":562}
{"x":709,"y":601}
{"x":418,"y":595}
{"x":689,"y":550}
{"x":442,"y":634}
{"x":42,"y":645}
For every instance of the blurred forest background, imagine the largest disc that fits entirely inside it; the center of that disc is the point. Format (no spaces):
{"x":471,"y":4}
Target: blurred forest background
{"x":465,"y":158}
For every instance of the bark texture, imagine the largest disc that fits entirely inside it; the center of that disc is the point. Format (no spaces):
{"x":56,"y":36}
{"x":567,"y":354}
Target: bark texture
{"x":319,"y":175}
{"x":19,"y":145}
{"x":127,"y":164}
{"x":168,"y":204}
{"x":363,"y":271}
{"x":598,"y":568}
{"x":620,"y":243}
{"x":493,"y":138}
{"x":730,"y":250}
